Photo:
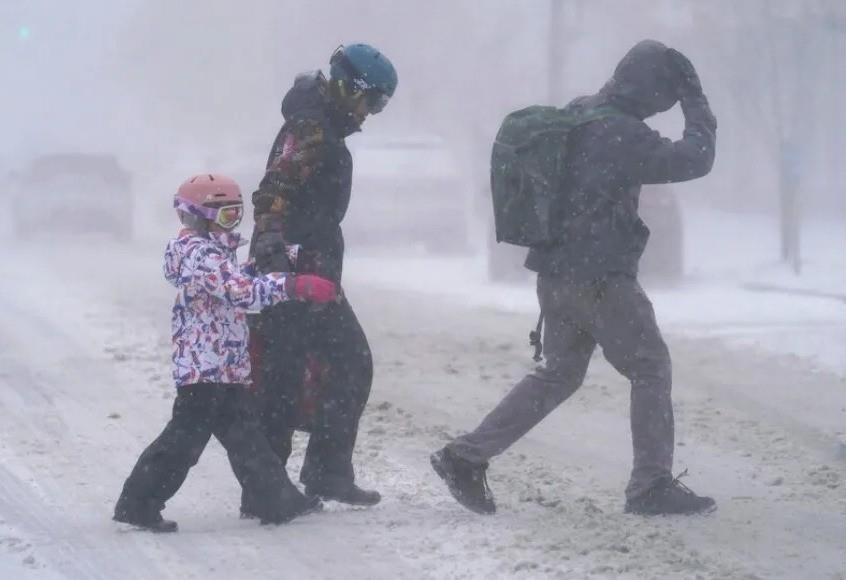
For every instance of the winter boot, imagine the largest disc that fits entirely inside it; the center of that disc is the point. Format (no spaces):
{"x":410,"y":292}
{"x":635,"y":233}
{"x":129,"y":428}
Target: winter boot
{"x":293,"y":504}
{"x":148,"y":520}
{"x":669,"y":496}
{"x":294,"y":508}
{"x":249,"y":506}
{"x":248,"y":510}
{"x":467,"y":482}
{"x":346,"y":492}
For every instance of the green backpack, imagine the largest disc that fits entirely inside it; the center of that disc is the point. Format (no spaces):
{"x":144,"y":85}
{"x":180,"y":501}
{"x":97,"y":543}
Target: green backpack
{"x":528,"y":171}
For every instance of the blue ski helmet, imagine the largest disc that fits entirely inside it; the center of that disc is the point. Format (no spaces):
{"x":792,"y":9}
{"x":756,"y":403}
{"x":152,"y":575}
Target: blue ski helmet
{"x":365,"y":69}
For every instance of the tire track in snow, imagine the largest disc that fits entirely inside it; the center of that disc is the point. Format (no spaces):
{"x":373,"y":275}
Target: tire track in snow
{"x":37,"y":399}
{"x":67,"y":548}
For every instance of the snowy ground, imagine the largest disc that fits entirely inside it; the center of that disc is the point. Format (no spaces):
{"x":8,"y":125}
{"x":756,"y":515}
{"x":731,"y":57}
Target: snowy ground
{"x":760,"y":394}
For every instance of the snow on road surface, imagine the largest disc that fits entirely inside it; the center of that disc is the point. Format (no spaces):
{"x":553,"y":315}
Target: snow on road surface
{"x":84,"y":386}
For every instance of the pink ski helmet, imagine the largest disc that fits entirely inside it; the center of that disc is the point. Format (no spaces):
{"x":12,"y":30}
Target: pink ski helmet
{"x":212,"y":197}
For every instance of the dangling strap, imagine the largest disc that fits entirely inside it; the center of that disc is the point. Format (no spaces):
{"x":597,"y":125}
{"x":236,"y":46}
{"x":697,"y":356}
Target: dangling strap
{"x":535,"y":339}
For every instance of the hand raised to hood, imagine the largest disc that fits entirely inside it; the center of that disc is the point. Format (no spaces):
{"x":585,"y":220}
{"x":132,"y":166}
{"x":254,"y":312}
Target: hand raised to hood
{"x":687,"y":80}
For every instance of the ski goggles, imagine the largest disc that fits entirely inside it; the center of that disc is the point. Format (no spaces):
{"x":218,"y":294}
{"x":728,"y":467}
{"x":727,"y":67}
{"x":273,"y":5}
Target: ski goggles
{"x":229,"y":216}
{"x":376,"y":100}
{"x":226,"y":216}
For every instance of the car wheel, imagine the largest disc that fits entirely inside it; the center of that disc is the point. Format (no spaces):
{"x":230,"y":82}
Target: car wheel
{"x":663,"y":260}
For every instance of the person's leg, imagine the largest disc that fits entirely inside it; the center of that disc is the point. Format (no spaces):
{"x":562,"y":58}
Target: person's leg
{"x":628,"y":333}
{"x":328,"y":468}
{"x":263,"y":478}
{"x":280,"y":335}
{"x":463,"y":463}
{"x":162,"y":467}
{"x":567,"y":349}
{"x":284,"y":333}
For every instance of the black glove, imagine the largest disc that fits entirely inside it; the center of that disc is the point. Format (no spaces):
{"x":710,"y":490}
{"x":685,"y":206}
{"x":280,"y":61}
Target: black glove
{"x":269,"y":253}
{"x":687,"y":81}
{"x":694,"y":104}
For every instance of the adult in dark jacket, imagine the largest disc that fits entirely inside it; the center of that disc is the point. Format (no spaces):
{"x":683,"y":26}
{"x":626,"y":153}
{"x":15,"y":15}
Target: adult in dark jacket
{"x":299,"y":207}
{"x":587,"y":283}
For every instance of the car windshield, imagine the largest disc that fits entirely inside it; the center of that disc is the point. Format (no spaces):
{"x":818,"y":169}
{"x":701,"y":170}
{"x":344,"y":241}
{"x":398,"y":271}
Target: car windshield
{"x":69,"y":184}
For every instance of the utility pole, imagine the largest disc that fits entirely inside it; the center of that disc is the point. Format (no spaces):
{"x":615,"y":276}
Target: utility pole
{"x":788,"y":42}
{"x":555,"y":42}
{"x":564,"y":18}
{"x":791,"y":216}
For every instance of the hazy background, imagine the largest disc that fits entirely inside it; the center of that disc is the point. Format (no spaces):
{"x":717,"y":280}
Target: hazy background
{"x":177,"y":87}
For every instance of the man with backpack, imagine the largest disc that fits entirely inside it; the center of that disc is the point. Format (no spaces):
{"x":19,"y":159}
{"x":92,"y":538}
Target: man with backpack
{"x":566,"y":183}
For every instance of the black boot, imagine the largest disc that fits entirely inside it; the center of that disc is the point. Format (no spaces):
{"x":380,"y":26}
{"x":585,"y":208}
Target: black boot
{"x":293,"y":504}
{"x":294,"y":508}
{"x":248,"y":510}
{"x":466,"y":481}
{"x":249,"y":506}
{"x":147,"y":519}
{"x":346,"y":492}
{"x":670,"y":496}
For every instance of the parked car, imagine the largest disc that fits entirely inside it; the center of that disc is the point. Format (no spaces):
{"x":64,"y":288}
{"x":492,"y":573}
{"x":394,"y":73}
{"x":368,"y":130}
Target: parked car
{"x":662,"y":262}
{"x":407,"y":190}
{"x":72,"y":192}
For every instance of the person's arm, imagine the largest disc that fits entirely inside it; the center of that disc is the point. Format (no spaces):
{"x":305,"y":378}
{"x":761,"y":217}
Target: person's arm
{"x":666,"y":161}
{"x":297,"y":154}
{"x":220,"y":277}
{"x":217,"y":275}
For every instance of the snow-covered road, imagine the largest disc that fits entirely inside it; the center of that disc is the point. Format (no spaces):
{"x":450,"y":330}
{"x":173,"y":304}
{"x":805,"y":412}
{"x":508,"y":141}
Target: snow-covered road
{"x":84,"y":385}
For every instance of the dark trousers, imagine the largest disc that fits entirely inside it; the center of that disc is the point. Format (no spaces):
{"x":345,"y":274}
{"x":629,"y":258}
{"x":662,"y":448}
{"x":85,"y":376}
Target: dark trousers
{"x":290,"y":332}
{"x":616,"y":314}
{"x":200,"y":411}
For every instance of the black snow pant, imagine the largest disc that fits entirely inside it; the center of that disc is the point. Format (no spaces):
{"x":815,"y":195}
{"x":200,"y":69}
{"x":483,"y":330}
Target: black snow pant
{"x":200,"y":411}
{"x":616,"y":314}
{"x":289,"y":332}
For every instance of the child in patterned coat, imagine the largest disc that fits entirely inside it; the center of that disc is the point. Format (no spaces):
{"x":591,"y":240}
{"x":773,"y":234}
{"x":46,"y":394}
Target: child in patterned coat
{"x":211,"y":366}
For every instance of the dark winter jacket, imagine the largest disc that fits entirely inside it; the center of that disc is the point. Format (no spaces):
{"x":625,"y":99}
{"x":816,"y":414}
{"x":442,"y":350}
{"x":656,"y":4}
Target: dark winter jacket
{"x":609,"y":159}
{"x":306,"y":188}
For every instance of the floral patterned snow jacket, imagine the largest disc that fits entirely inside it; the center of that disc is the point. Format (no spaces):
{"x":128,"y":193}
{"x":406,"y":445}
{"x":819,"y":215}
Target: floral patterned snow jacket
{"x":209,"y":324}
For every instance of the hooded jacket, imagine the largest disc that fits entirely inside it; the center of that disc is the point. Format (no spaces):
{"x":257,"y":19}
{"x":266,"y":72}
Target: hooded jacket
{"x":306,"y":188}
{"x":208,"y":324}
{"x":609,"y":159}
